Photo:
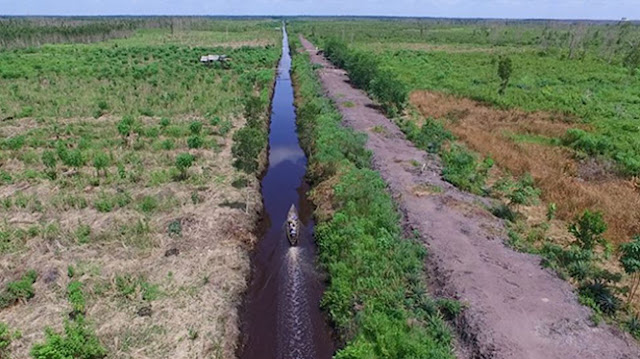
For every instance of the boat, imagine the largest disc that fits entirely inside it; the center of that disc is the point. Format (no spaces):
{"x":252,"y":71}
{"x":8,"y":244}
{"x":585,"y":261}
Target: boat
{"x":293,"y":225}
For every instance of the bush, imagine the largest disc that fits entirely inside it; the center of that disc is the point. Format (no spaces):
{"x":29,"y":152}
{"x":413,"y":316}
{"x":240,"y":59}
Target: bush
{"x":174,"y":229}
{"x":148,"y":204}
{"x":195,"y":127}
{"x":248,"y":143}
{"x":183,"y":162}
{"x":5,"y":340}
{"x":390,"y":92}
{"x":194,"y":142}
{"x":19,"y":290}
{"x":49,"y":160}
{"x":78,"y":341}
{"x":463,"y":170}
{"x":76,"y":298}
{"x":630,"y":261}
{"x":124,"y":126}
{"x":431,"y":136}
{"x":505,"y":68}
{"x":365,"y":73}
{"x":101,"y":162}
{"x":165,"y":122}
{"x":253,"y":110}
{"x":168,"y":145}
{"x":588,"y":229}
{"x":225,"y":127}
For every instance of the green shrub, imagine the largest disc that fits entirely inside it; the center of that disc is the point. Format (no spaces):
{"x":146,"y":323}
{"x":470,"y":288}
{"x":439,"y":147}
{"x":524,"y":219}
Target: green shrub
{"x":14,"y":143}
{"x":76,"y":298}
{"x":5,"y":178}
{"x":248,"y":143}
{"x":195,"y":127}
{"x":83,"y":233}
{"x":365,"y":73}
{"x":103,"y":204}
{"x":431,"y":136}
{"x":225,"y":127}
{"x":5,"y":340}
{"x":390,"y":92}
{"x":240,"y":183}
{"x":462,"y":169}
{"x":215,"y":121}
{"x":168,"y":145}
{"x":253,"y":110}
{"x":165,"y":122}
{"x":505,"y":68}
{"x":49,"y":160}
{"x":174,"y":229}
{"x":125,"y":126}
{"x":19,"y":290}
{"x":194,"y":141}
{"x":589,"y":229}
{"x":148,"y":204}
{"x":78,"y":341}
{"x":630,"y":261}
{"x":101,"y":161}
{"x":183,"y":162}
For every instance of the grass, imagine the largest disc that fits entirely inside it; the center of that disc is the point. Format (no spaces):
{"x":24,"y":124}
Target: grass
{"x":551,"y":108}
{"x":590,"y":82}
{"x":112,"y":154}
{"x":376,"y":285}
{"x":20,"y":290}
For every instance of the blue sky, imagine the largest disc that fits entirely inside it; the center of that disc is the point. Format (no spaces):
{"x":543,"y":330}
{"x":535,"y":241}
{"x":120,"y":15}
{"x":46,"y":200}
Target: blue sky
{"x":558,"y":9}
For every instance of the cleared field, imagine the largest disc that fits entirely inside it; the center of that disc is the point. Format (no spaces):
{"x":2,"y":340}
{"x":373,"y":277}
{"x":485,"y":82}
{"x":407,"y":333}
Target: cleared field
{"x":542,"y":116}
{"x":125,"y":219}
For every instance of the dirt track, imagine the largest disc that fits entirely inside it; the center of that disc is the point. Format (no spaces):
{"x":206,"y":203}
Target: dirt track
{"x":516,"y":309}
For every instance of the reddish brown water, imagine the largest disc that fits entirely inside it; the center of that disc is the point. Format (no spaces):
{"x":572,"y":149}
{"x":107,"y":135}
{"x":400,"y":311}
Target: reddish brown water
{"x":281,"y":316}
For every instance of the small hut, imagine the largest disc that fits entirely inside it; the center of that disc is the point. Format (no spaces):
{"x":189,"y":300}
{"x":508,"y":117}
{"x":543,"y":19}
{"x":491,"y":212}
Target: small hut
{"x":210,"y":59}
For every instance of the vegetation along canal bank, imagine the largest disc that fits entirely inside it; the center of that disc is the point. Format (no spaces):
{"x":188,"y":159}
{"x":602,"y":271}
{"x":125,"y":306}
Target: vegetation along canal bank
{"x":129,"y":190}
{"x":375,"y":296}
{"x":513,"y":307}
{"x":541,"y":117}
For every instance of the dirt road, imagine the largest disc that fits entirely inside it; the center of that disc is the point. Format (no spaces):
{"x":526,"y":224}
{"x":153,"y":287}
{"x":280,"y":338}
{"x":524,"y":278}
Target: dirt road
{"x":516,"y":309}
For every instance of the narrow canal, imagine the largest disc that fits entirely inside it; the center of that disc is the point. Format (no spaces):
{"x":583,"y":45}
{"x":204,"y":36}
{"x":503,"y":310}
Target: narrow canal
{"x":281,"y":316}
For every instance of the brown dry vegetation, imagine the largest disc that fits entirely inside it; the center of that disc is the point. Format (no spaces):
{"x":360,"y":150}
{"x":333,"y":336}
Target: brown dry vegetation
{"x":573,"y":184}
{"x":194,"y":305}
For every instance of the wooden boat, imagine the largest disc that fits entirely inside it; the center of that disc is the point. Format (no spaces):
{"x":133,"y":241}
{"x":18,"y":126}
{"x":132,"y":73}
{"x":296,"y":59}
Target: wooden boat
{"x":293,"y":226}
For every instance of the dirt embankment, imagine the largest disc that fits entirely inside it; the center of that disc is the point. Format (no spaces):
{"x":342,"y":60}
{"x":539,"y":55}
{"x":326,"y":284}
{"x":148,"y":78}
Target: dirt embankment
{"x":516,"y":309}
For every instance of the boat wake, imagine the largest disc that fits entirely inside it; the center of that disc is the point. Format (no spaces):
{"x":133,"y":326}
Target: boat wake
{"x":295,"y":336}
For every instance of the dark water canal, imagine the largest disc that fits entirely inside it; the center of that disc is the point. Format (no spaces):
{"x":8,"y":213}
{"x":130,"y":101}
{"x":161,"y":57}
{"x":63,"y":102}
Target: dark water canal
{"x":281,"y":315}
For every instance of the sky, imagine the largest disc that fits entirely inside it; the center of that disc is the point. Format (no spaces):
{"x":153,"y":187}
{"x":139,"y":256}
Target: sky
{"x":549,"y":9}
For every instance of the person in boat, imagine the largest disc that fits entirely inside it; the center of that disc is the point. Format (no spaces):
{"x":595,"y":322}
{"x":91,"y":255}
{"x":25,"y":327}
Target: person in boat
{"x":292,"y":225}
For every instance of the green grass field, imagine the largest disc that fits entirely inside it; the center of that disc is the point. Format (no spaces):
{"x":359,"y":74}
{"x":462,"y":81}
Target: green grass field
{"x":587,"y":80}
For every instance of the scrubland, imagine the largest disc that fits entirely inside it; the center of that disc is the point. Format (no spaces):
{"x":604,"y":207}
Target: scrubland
{"x":129,"y":189}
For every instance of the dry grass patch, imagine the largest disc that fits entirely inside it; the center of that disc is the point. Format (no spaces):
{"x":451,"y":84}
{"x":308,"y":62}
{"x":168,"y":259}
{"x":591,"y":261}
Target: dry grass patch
{"x":162,"y":262}
{"x":522,"y":142}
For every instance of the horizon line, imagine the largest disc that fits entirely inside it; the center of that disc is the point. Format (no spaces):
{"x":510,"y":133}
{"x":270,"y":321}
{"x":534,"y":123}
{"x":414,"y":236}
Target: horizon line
{"x":327,"y":16}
